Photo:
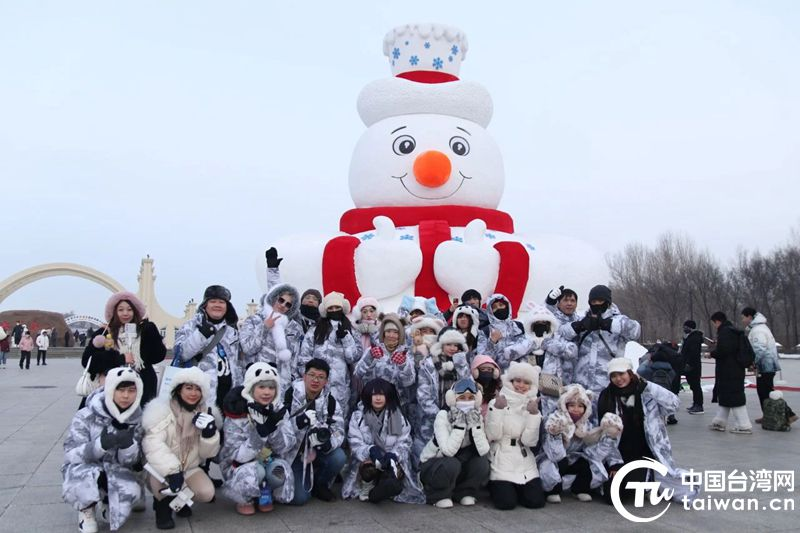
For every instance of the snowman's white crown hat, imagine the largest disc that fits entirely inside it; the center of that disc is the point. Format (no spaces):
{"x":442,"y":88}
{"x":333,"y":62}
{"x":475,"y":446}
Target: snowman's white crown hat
{"x":425,"y":61}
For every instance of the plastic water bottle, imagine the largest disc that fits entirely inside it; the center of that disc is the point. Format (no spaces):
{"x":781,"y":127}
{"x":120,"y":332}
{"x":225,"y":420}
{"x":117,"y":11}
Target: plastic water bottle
{"x":265,"y":498}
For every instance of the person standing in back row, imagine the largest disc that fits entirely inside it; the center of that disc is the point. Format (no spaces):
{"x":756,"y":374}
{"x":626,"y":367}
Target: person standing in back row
{"x":729,"y":378}
{"x":690,"y":352}
{"x":42,"y":344}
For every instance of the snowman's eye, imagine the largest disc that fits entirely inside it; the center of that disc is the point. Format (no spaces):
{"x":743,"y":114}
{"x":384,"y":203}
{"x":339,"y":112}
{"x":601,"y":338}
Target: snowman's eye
{"x":404,"y":145}
{"x":459,"y":145}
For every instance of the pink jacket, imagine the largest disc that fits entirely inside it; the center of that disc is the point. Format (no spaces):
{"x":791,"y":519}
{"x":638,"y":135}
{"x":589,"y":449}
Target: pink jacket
{"x":26,"y":344}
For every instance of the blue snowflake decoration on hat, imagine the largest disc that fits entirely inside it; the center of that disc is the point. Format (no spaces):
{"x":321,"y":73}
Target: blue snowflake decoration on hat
{"x":438,"y":63}
{"x":413,"y":60}
{"x":427,"y":44}
{"x":454,"y":50}
{"x":396,"y":53}
{"x":450,"y":58}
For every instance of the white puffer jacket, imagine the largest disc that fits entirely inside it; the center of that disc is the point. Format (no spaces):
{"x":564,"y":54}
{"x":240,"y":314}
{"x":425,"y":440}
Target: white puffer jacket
{"x":512,"y":431}
{"x":162,"y":444}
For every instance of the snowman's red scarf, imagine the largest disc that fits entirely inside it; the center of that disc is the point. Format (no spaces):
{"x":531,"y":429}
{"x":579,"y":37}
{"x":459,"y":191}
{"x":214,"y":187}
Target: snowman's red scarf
{"x":434,"y":222}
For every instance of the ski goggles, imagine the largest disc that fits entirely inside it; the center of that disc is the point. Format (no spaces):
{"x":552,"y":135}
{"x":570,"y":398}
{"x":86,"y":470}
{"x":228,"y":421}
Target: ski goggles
{"x":465,"y":385}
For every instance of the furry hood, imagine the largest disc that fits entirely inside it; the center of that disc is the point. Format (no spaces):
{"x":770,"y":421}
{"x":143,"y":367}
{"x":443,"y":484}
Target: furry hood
{"x":159,"y":409}
{"x":537,"y":313}
{"x":116,"y":298}
{"x":97,"y":404}
{"x":114,"y":377}
{"x":561,"y":419}
{"x":256,"y":373}
{"x":449,"y":335}
{"x":470,"y":312}
{"x":269,"y":299}
{"x":191,"y":375}
{"x":392,"y":318}
{"x":494,"y":298}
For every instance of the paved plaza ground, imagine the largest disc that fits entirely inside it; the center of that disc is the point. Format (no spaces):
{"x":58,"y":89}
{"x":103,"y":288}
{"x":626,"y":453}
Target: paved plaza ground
{"x":36,"y":407}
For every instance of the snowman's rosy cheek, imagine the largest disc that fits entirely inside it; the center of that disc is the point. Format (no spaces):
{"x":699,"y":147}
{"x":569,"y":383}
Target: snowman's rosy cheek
{"x":404,"y":145}
{"x":459,"y":146}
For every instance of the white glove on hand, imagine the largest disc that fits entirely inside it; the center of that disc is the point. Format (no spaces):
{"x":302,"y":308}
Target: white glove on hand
{"x":203,"y":420}
{"x":312,"y":417}
{"x":555,"y":293}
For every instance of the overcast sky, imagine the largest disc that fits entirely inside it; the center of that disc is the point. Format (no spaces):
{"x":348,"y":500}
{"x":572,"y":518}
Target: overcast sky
{"x":198,"y":132}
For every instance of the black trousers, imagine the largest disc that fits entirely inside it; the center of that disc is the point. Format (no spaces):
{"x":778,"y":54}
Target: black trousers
{"x":41,"y":355}
{"x":693,"y":379}
{"x":26,"y":358}
{"x":507,"y":495}
{"x":765,"y":385}
{"x":640,"y":474}
{"x":583,"y":477}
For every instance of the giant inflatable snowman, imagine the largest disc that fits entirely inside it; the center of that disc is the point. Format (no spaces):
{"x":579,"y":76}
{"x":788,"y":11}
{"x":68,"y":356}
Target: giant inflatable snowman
{"x":426,"y":179}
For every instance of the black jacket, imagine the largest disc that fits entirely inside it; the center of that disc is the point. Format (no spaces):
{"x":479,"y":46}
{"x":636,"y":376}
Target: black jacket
{"x":729,"y":374}
{"x":151,"y":349}
{"x":690,"y":350}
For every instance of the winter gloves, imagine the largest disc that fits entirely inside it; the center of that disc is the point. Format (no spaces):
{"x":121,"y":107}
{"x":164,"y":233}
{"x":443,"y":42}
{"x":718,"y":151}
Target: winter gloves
{"x":382,"y":459}
{"x":305,"y":419}
{"x":120,"y":440}
{"x":205,"y":423}
{"x":273,"y":261}
{"x":557,"y":423}
{"x":175,"y":481}
{"x":399,"y":357}
{"x":553,"y":296}
{"x":265,"y":418}
{"x":376,"y":352}
{"x":500,"y":402}
{"x":341,"y":331}
{"x":611,"y":425}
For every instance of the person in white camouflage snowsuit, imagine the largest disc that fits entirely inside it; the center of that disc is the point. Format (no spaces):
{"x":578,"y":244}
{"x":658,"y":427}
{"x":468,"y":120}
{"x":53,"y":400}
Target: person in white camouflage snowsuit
{"x":502,"y":331}
{"x":258,"y":437}
{"x":574,"y":454}
{"x":273,"y":335}
{"x":101,"y":451}
{"x":542,"y":346}
{"x":332,"y":341}
{"x":317,"y":420}
{"x":643,"y":408}
{"x":222,"y":364}
{"x":389,"y":359}
{"x":600,"y":335}
{"x":380,"y":449}
{"x":435,"y":376}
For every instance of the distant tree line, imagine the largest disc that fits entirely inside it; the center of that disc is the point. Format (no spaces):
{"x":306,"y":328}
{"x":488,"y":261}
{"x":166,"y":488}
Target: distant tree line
{"x":674,"y":280}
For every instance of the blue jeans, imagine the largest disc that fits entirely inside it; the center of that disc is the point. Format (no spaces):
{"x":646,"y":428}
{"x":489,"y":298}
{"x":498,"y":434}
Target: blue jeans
{"x":325,"y":469}
{"x":3,"y":356}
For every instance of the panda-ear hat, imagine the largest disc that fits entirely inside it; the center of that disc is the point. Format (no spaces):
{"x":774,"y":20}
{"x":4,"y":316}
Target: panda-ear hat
{"x":256,"y":373}
{"x":114,"y":377}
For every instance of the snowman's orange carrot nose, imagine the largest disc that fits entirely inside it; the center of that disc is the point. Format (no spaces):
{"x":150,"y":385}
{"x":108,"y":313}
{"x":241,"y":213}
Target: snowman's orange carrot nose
{"x":432,"y":168}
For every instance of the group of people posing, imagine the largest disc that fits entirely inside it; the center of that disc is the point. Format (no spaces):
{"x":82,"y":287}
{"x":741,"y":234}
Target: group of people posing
{"x":416,"y":406}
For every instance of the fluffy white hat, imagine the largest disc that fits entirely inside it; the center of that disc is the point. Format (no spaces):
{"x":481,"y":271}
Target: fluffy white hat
{"x":470,"y":312}
{"x":576,"y":393}
{"x":365,"y":301}
{"x":776,"y":395}
{"x":619,"y":364}
{"x":426,"y":322}
{"x":116,"y":298}
{"x":194,"y":376}
{"x":257,"y":373}
{"x":451,"y":395}
{"x":114,"y":377}
{"x":525,"y":371}
{"x":449,"y":335}
{"x":334,"y":298}
{"x":537,"y":313}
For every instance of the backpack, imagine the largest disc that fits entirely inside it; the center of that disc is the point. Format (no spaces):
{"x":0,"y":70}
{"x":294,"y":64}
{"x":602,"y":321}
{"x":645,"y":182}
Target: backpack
{"x":663,"y":378}
{"x":745,"y":355}
{"x":775,"y":418}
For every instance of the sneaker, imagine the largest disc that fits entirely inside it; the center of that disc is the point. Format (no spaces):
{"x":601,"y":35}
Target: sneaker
{"x":584,"y":497}
{"x":793,"y":419}
{"x":695,"y":410}
{"x":742,"y":431}
{"x":86,"y":521}
{"x":246,"y":509}
{"x":445,"y":503}
{"x":323,"y":493}
{"x":671,"y":420}
{"x":717,"y":426}
{"x":467,"y":501}
{"x":554,"y":498}
{"x":758,"y":420}
{"x":364,"y":490}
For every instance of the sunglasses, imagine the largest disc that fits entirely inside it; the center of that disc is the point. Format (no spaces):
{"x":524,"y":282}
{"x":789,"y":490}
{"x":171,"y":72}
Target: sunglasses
{"x":287,"y":303}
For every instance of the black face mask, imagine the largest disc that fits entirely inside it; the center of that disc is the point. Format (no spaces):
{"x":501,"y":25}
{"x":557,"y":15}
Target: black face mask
{"x":502,"y":313}
{"x":599,"y":309}
{"x":485,"y":378}
{"x":309,"y":311}
{"x":336,"y":315}
{"x":539,"y":329}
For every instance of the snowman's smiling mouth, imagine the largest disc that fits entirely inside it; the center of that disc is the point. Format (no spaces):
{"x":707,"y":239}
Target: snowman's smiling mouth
{"x":463,"y":179}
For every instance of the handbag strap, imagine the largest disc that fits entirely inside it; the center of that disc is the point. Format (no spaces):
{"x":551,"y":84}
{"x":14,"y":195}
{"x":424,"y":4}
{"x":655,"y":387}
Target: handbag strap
{"x":214,"y":341}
